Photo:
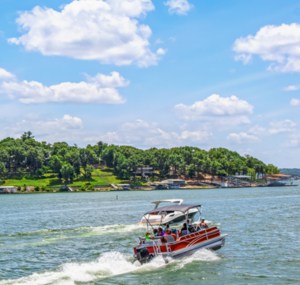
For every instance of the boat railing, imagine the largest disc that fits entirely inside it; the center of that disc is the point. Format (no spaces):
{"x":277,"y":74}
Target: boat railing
{"x":207,"y":233}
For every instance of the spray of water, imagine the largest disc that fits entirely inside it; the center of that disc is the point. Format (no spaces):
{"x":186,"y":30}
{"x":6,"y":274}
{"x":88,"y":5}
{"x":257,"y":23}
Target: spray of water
{"x":109,"y":264}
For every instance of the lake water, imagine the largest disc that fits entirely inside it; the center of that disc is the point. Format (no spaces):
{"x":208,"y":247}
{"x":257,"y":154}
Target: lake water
{"x":87,"y":238}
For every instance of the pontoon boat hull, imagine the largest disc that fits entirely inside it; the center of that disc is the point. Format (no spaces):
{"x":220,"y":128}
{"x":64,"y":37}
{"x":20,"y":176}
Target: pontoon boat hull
{"x":210,"y":238}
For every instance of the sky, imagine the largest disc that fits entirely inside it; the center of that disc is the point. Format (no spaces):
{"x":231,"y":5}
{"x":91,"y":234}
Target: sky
{"x":167,"y":73}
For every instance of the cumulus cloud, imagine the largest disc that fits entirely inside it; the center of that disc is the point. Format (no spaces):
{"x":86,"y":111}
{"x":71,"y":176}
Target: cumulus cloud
{"x":295,"y":102}
{"x":148,"y":134}
{"x":107,"y":31}
{"x":278,"y":45}
{"x":179,"y":7}
{"x":242,"y":137}
{"x":282,"y":126}
{"x":215,"y":106}
{"x":101,"y":89}
{"x":294,"y":141}
{"x":66,"y":128}
{"x":64,"y":123}
{"x":4,"y":74}
{"x":292,"y":88}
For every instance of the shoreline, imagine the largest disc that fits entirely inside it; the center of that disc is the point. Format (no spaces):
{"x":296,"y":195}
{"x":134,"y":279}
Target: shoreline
{"x":193,"y":187}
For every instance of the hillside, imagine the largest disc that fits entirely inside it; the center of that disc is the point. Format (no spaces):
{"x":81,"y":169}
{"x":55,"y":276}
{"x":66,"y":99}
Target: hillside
{"x":290,"y":171}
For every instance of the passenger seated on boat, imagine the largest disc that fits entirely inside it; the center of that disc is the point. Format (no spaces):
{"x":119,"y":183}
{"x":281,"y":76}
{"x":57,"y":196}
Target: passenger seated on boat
{"x":174,"y":233}
{"x":184,"y":230}
{"x":202,"y":225}
{"x":155,"y":232}
{"x":160,"y":232}
{"x":163,"y":240}
{"x":190,"y":226}
{"x":169,"y":238}
{"x":167,"y":227}
{"x":167,"y":233}
{"x":148,"y":236}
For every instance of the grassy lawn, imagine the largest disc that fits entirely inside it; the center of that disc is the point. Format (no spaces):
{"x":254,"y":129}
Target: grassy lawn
{"x":99,"y":177}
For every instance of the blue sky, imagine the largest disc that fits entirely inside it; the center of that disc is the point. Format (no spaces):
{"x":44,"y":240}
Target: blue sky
{"x":154,"y":74}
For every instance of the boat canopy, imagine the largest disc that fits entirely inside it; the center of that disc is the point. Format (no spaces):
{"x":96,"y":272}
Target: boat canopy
{"x":180,"y":208}
{"x":175,"y":201}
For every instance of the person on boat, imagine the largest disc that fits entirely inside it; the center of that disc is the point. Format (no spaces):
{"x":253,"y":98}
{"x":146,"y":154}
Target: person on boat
{"x":160,"y":232}
{"x":190,"y":227}
{"x":202,"y":225}
{"x":175,"y":234}
{"x":148,"y":236}
{"x":184,"y":230}
{"x":163,"y":240}
{"x":167,"y":227}
{"x":155,"y":232}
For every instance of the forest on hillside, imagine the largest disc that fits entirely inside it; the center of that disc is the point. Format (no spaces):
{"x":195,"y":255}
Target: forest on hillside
{"x":290,"y":171}
{"x":27,"y":157}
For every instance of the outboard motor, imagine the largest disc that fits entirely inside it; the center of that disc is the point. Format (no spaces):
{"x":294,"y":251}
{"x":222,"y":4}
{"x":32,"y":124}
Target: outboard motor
{"x":143,"y":255}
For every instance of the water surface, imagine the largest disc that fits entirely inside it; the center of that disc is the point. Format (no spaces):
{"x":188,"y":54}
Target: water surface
{"x":87,"y":238}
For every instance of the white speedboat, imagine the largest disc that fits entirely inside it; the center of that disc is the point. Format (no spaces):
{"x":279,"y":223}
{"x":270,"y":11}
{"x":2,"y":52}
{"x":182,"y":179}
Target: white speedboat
{"x":163,"y":215}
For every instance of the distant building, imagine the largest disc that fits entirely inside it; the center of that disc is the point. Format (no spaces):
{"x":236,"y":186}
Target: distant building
{"x":144,"y":171}
{"x":174,"y":183}
{"x":237,"y":181}
{"x":121,"y":186}
{"x":8,"y":189}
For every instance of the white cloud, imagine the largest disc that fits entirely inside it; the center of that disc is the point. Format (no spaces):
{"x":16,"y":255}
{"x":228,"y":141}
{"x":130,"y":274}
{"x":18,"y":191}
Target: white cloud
{"x":201,"y":136}
{"x":276,"y":44}
{"x":144,"y":134}
{"x":216,"y":106}
{"x":101,"y":89}
{"x":257,"y":130}
{"x":66,"y":122}
{"x":67,"y":128}
{"x":282,"y":127}
{"x":179,"y":7}
{"x":292,"y":88}
{"x":106,"y":31}
{"x":242,"y":137}
{"x":5,"y":75}
{"x":294,"y":141}
{"x":295,"y":102}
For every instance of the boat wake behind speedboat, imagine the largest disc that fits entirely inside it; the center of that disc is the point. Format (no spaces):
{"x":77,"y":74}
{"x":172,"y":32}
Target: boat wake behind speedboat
{"x":164,"y":215}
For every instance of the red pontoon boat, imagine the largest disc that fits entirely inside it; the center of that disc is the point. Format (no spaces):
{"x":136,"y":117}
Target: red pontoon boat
{"x":176,"y":244}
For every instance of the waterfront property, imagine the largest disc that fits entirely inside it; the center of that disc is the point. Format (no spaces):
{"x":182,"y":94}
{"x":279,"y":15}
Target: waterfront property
{"x":8,"y":189}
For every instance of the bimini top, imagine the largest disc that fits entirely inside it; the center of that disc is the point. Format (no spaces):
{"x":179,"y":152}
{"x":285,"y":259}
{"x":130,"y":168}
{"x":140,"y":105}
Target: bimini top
{"x":175,"y":201}
{"x":180,"y":208}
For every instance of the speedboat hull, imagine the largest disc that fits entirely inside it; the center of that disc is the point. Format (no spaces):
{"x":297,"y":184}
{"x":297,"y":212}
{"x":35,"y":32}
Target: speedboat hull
{"x":210,"y":238}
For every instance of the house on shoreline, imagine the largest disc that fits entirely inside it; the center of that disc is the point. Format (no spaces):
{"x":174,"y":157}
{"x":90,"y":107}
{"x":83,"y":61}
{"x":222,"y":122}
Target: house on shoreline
{"x":8,"y":189}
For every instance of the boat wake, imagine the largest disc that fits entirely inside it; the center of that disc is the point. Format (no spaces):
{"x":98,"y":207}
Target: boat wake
{"x":204,"y":255}
{"x":108,"y":265}
{"x":107,"y":229}
{"x":118,"y":228}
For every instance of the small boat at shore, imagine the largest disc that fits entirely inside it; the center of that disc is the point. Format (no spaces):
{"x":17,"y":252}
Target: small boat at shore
{"x":163,"y":214}
{"x":179,"y":243}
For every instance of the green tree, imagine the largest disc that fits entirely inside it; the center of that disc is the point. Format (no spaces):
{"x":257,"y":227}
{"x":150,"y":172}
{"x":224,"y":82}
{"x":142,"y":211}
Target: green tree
{"x":55,"y":163}
{"x":88,"y":172}
{"x":67,"y":173}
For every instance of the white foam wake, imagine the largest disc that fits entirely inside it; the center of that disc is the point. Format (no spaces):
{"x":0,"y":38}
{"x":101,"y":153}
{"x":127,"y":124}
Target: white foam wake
{"x":103,"y":230}
{"x":107,"y":265}
{"x":204,"y":255}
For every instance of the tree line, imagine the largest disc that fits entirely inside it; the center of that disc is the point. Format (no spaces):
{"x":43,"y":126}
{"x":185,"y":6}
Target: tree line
{"x":27,"y":157}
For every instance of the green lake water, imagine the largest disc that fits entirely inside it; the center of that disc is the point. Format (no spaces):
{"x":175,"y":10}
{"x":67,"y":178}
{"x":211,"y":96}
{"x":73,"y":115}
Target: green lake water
{"x":87,"y":238}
